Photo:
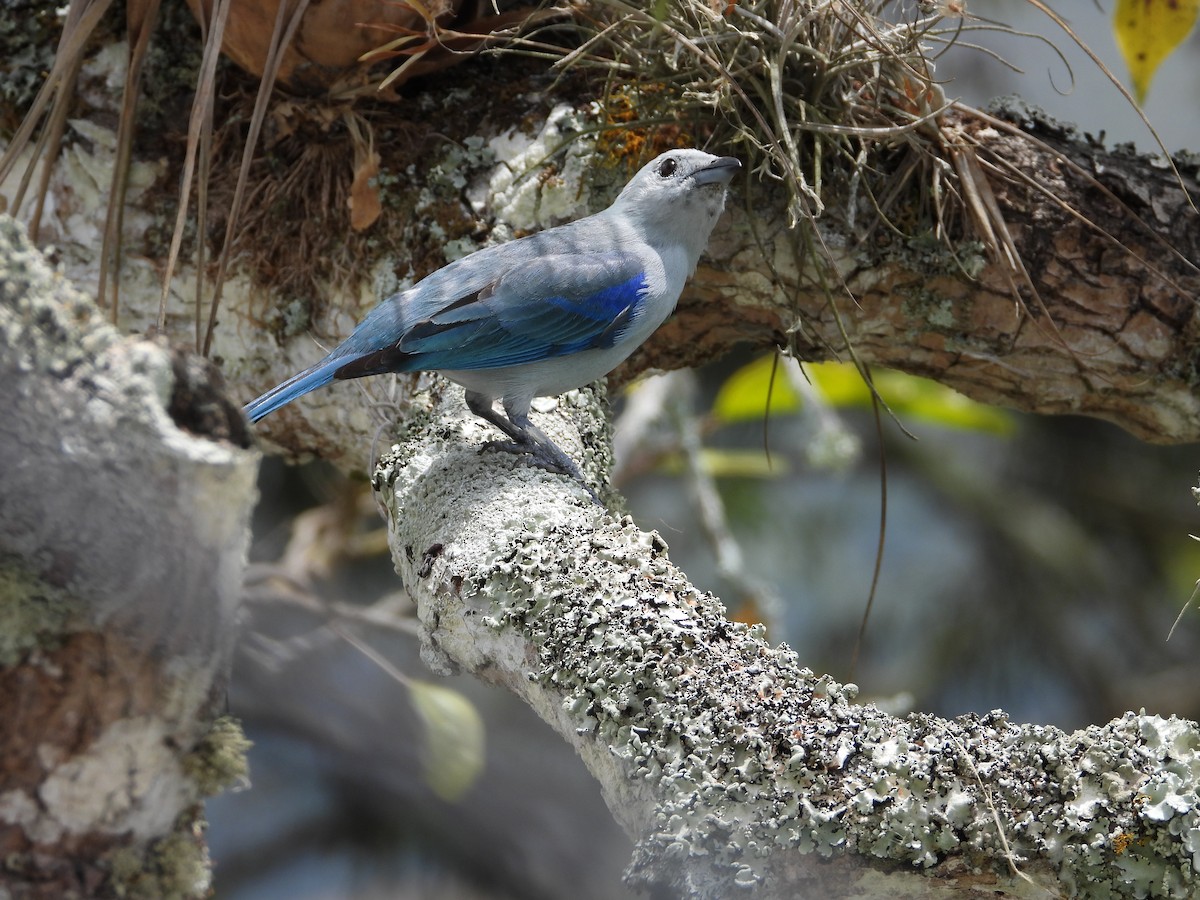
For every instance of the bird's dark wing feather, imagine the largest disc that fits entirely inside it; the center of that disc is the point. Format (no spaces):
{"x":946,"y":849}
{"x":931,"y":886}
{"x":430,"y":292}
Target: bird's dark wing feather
{"x":541,"y":309}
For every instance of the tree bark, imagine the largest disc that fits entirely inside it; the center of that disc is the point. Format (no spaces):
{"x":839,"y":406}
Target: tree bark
{"x":126,"y":488}
{"x":738,"y":771}
{"x":1111,"y":244}
{"x":1106,"y":325}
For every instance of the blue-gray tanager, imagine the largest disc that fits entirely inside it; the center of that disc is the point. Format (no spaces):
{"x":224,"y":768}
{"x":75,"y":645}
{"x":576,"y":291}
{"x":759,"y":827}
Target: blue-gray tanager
{"x":544,"y":314}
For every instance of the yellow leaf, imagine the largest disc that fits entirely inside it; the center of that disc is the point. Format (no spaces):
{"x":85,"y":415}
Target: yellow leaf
{"x":743,"y":396}
{"x":454,"y":753}
{"x":1147,"y":31}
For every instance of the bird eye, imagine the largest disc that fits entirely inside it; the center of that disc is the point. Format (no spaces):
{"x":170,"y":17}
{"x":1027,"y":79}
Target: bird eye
{"x":667,"y":167}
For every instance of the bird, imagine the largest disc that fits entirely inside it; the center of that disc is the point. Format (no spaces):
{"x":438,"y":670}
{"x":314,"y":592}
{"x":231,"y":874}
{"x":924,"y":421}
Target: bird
{"x":543,"y":314}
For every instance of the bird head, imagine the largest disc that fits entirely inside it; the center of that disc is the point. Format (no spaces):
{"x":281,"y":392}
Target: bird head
{"x":678,"y":196}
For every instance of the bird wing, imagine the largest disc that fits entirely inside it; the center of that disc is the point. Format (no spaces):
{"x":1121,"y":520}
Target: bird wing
{"x":546,"y":307}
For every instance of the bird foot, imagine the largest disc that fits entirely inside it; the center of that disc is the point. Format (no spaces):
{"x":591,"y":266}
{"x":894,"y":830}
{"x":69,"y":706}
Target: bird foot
{"x":514,"y":447}
{"x":542,"y":457}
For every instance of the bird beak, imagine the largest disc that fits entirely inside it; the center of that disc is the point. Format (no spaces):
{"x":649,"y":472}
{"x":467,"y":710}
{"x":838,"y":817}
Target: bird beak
{"x":719,"y":171}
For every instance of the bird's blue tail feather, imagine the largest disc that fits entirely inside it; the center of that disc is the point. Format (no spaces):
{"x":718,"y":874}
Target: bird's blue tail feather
{"x":298,"y":385}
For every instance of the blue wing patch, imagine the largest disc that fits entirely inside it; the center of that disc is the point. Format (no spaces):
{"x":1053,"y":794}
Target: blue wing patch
{"x":549,"y":307}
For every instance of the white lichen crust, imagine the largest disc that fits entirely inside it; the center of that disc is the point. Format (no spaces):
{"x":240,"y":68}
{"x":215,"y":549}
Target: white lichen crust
{"x":737,"y":769}
{"x":123,"y":534}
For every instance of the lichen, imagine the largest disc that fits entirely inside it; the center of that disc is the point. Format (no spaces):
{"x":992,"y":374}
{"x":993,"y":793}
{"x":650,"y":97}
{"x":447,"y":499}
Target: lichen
{"x":219,"y":760}
{"x":740,"y":751}
{"x":776,"y":757}
{"x":523,"y":194}
{"x":928,"y":308}
{"x":32,"y":612}
{"x":126,"y":780}
{"x":928,"y":253}
{"x":54,"y":335}
{"x":29,"y":31}
{"x":174,"y":868}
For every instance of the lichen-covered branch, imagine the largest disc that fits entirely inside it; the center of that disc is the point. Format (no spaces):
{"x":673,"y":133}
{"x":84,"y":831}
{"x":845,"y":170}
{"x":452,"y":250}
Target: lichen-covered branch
{"x":126,"y":489}
{"x":739,"y":771}
{"x":1107,"y":324}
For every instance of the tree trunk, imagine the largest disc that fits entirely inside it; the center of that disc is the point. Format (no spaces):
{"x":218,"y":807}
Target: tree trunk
{"x":127,"y":489}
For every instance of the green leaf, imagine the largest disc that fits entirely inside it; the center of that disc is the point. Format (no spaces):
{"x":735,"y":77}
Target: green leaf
{"x":919,"y":398}
{"x":840,"y":384}
{"x":454,"y":745}
{"x":730,"y":464}
{"x":741,"y":464}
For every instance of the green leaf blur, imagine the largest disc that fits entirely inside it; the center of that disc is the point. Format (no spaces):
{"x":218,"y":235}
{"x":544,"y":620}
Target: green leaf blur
{"x":454,"y":741}
{"x":743,"y":397}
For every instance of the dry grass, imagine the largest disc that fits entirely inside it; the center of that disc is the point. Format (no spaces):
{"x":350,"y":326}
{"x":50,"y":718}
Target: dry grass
{"x":811,"y":93}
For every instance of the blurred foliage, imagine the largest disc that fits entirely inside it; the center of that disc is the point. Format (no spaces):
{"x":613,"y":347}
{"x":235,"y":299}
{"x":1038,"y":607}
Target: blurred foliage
{"x":731,"y":463}
{"x":454,"y":738}
{"x":744,"y":395}
{"x":1181,"y":567}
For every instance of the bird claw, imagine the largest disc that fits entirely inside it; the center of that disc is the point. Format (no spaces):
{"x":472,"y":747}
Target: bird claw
{"x":540,"y":456}
{"x":544,"y":458}
{"x":504,"y":447}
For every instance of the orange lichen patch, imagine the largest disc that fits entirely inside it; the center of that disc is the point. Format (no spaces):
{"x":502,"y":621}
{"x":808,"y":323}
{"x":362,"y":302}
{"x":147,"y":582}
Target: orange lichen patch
{"x":631,"y":135}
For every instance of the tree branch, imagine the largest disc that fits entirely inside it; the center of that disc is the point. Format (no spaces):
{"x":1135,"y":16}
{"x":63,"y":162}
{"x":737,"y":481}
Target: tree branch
{"x":1111,"y":246}
{"x":1112,"y":331}
{"x":735,"y":768}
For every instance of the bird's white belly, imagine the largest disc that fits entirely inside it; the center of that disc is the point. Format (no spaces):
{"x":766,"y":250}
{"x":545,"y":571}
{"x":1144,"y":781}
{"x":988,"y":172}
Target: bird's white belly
{"x":546,"y":378}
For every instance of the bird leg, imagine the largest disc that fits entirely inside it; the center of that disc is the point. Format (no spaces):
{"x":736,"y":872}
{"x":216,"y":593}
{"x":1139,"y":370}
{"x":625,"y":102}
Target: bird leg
{"x":482,"y":407}
{"x":527,"y":439}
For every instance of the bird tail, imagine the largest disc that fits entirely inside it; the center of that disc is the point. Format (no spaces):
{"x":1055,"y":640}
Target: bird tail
{"x":310,"y":379}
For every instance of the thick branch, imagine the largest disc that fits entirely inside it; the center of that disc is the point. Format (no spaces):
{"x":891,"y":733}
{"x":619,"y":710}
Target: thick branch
{"x":1112,"y":330}
{"x":734,"y":767}
{"x":123,"y":531}
{"x":1118,"y":338}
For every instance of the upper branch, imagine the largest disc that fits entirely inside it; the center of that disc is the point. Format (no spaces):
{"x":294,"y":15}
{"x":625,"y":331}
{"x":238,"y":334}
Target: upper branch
{"x":1099,"y":317}
{"x":1106,"y":324}
{"x":1103,"y":320}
